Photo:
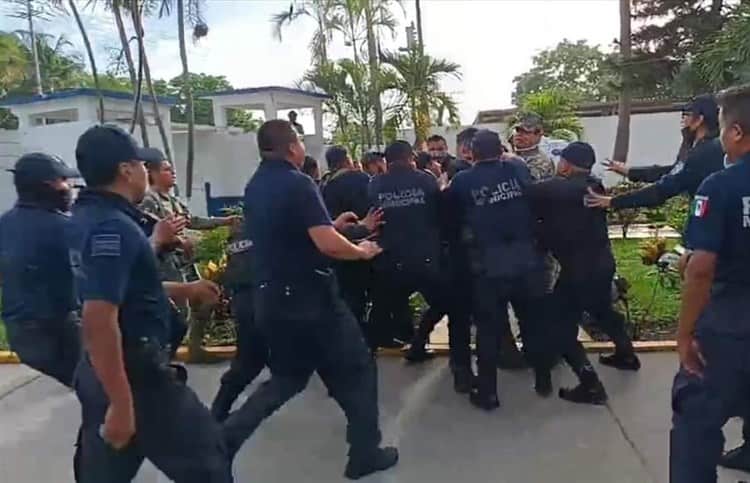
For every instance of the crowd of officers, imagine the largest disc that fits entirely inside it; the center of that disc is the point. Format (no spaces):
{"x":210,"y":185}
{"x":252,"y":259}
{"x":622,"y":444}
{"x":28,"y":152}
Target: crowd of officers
{"x":321,"y":271}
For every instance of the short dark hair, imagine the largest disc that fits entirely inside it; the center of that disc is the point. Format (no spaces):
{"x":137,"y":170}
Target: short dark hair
{"x":486,"y":144}
{"x":274,"y":138}
{"x":436,"y":138}
{"x":465,"y":137}
{"x":309,"y":166}
{"x":423,"y":160}
{"x":735,"y":106}
{"x":398,"y":151}
{"x":336,"y":157}
{"x":373,"y":157}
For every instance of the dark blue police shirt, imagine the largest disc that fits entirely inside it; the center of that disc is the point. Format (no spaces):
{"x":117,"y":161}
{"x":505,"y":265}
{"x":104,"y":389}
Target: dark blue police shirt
{"x":347,"y":191}
{"x":720,"y":223}
{"x":36,"y":277}
{"x":281,"y":204}
{"x":114,"y":262}
{"x":410,"y":200}
{"x":495,"y":218}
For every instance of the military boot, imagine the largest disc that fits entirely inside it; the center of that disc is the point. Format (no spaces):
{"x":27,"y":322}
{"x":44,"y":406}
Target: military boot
{"x":369,"y":462}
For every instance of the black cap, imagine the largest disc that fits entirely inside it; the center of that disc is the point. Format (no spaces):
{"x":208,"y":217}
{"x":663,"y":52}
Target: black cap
{"x":40,"y":167}
{"x":487,"y":144}
{"x":152,"y":157}
{"x":704,"y":105}
{"x":579,"y":154}
{"x":102,"y":148}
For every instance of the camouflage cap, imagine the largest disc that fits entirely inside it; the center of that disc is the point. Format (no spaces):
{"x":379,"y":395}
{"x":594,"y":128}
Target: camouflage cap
{"x":529,"y":121}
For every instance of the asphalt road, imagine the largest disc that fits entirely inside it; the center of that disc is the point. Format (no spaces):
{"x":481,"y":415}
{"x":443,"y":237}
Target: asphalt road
{"x":441,"y":437}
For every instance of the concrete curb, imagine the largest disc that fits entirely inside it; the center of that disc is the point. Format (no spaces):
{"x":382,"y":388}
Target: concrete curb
{"x":227,"y":352}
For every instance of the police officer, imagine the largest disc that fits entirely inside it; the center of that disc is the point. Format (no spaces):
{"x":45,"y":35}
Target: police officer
{"x":704,"y":158}
{"x":252,"y":351}
{"x":39,"y":302}
{"x":578,"y":238}
{"x":307,"y":325}
{"x":134,"y":405}
{"x":374,"y":163}
{"x":411,"y":240}
{"x":713,"y":338}
{"x":527,"y":135}
{"x":497,"y":226}
{"x":463,"y":157}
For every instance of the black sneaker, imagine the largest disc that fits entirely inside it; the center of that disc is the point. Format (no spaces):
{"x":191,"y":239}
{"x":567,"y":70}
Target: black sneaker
{"x":483,"y":401}
{"x":737,"y":458}
{"x":379,"y":460}
{"x":417,"y":354}
{"x":585,"y":394}
{"x":463,"y":381}
{"x":543,"y":383}
{"x":628,"y":362}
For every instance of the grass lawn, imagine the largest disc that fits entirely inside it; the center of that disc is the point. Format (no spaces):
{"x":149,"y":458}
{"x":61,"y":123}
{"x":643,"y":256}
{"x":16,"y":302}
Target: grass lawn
{"x":658,"y":318}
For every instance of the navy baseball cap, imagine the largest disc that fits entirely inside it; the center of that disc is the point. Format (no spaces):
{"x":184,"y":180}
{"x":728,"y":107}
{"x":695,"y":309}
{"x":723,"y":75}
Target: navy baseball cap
{"x":39,"y":168}
{"x":579,"y":154}
{"x":152,"y":157}
{"x":101,"y":148}
{"x":487,"y":143}
{"x":704,"y":105}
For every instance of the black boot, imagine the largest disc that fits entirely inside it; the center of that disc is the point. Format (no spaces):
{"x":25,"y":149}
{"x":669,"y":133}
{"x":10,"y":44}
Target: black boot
{"x":543,"y":382}
{"x":223,"y":401}
{"x":585,"y":393}
{"x":463,"y":380}
{"x":488,"y":402}
{"x":361,"y":465}
{"x":737,"y":458}
{"x":417,"y":353}
{"x":623,"y":362}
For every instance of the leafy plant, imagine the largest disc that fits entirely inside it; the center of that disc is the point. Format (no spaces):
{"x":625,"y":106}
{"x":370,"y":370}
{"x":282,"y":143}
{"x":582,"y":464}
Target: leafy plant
{"x":627,"y":216}
{"x":556,"y":107}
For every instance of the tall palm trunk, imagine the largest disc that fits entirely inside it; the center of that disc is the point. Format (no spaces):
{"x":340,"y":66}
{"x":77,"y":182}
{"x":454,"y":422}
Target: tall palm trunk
{"x":138,"y":109}
{"x":372,"y":53}
{"x":34,"y":49}
{"x":622,"y":139}
{"x":187,"y":91}
{"x":92,"y":60}
{"x":138,"y":27}
{"x":419,"y":27}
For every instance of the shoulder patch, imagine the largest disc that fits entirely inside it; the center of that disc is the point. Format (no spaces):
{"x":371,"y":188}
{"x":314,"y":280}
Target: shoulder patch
{"x":106,"y":245}
{"x":700,"y":206}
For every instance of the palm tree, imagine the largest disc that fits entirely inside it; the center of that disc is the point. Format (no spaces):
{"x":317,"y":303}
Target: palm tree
{"x":726,"y":59}
{"x":557,"y":110}
{"x":322,"y":12}
{"x":37,"y":70}
{"x":417,"y":79}
{"x":622,"y":138}
{"x":28,"y":11}
{"x":418,"y":6}
{"x":13,"y":62}
{"x":90,"y":53}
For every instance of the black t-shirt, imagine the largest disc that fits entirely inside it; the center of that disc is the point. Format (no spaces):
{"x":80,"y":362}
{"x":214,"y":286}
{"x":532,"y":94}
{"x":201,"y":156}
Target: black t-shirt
{"x":347,"y":191}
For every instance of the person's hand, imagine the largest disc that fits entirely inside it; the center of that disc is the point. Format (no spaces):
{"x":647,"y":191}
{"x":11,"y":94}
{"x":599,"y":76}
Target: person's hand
{"x":345,"y":219}
{"x":370,"y":249}
{"x":167,"y":231}
{"x":374,"y":219}
{"x":231,"y":220}
{"x":691,"y":358}
{"x":188,"y":248}
{"x":204,"y":292}
{"x":597,"y":200}
{"x":443,"y":180}
{"x":119,"y":425}
{"x":616,"y":166}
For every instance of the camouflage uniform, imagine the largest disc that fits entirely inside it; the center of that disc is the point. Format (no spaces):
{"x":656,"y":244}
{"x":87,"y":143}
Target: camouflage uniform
{"x":540,"y":165}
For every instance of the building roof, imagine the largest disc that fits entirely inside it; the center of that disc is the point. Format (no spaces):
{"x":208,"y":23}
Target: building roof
{"x":265,"y":89}
{"x":84,"y":91}
{"x":598,"y":109}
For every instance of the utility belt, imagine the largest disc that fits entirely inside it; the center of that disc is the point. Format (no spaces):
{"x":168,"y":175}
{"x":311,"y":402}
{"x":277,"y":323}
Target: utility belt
{"x":46,"y":323}
{"x":147,"y":362}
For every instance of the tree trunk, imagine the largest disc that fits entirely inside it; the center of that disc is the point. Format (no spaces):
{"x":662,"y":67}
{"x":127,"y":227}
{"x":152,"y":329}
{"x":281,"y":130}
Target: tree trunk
{"x":34,"y":50}
{"x":138,"y":108}
{"x":419,"y":27}
{"x":622,"y":139}
{"x":187,"y":91}
{"x":136,"y":15}
{"x":372,"y":52}
{"x":92,"y":60}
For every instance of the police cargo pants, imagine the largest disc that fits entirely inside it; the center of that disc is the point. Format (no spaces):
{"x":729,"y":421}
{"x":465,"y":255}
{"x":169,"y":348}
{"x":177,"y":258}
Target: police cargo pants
{"x":702,"y":405}
{"x":309,"y":329}
{"x":174,"y":431}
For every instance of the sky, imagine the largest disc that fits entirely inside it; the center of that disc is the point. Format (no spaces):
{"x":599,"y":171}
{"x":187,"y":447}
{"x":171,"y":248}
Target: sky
{"x":492,"y":40}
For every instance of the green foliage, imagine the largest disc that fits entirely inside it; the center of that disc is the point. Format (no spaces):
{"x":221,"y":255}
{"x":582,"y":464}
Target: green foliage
{"x":628,"y":216}
{"x":212,"y":245}
{"x":582,"y":71}
{"x":556,"y":108}
{"x":726,"y":58}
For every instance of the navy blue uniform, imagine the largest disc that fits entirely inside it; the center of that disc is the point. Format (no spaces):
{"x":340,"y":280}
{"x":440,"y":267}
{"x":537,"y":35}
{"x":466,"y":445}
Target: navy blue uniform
{"x":306,"y":324}
{"x":497,"y":227}
{"x":719,"y":224}
{"x":412,"y":248}
{"x":39,"y":302}
{"x":345,"y":191}
{"x":114,"y":262}
{"x":705,"y":158}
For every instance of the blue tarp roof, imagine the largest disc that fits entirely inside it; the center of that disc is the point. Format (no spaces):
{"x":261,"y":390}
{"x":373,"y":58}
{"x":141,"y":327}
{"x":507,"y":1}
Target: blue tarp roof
{"x":254,"y":90}
{"x":84,"y":91}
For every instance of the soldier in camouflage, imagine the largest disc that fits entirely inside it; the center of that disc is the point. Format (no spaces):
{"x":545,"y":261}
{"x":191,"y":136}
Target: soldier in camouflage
{"x":527,"y":134}
{"x":177,"y":265}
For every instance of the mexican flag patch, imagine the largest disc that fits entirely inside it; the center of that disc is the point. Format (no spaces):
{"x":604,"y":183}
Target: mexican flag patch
{"x":700,"y":206}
